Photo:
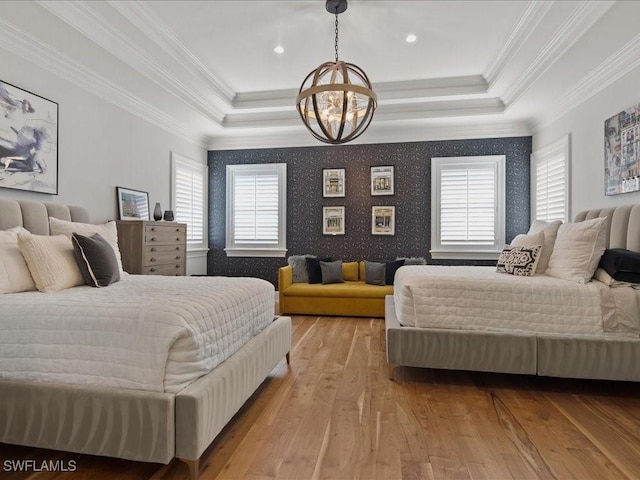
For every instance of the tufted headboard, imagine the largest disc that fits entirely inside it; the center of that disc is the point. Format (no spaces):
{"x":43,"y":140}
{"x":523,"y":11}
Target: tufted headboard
{"x":623,"y":225}
{"x":34,"y":216}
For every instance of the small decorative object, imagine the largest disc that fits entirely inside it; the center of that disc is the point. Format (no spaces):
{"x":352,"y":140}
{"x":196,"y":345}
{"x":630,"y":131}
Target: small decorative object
{"x":333,"y":182}
{"x":622,"y":152}
{"x":132,"y":204}
{"x":382,"y":180}
{"x":157,"y":212}
{"x":383,"y":220}
{"x":333,"y":220}
{"x":28,"y":141}
{"x":168,"y":215}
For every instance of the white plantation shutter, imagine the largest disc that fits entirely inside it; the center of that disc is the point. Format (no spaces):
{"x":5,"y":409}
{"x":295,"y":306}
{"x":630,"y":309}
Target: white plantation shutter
{"x":467,"y":207}
{"x":256,"y":210}
{"x":550,"y":181}
{"x":189,"y":198}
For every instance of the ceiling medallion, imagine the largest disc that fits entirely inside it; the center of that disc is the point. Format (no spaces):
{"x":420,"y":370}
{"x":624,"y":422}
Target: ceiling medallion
{"x":336,"y":102}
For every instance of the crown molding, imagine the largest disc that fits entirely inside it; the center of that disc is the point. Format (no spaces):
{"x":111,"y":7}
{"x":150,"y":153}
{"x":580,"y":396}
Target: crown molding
{"x":528,"y":22}
{"x":157,"y":31}
{"x":413,"y":132}
{"x":81,"y":17}
{"x":582,"y":19}
{"x":612,"y":69}
{"x":385,"y":112}
{"x":25,"y":45}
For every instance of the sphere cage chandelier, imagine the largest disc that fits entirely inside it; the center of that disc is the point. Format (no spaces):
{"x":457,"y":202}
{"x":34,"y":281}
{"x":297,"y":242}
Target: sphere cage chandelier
{"x":335,"y":101}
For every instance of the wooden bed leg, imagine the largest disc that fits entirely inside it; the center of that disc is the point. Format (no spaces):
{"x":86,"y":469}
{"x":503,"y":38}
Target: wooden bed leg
{"x":391,"y":369}
{"x":194,"y":467}
{"x":288,"y":357}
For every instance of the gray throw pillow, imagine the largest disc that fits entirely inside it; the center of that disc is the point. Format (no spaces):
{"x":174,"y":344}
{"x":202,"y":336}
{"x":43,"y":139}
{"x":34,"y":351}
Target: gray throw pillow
{"x":331,"y":272}
{"x":96,"y":260}
{"x":413,"y":260}
{"x":374,"y":273}
{"x":299,"y":265}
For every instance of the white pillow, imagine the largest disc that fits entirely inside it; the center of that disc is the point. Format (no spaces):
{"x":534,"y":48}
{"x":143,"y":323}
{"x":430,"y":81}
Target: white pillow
{"x":51,"y":261}
{"x":14,"y":273}
{"x":550,"y":230}
{"x":529,"y":240}
{"x":578,"y":249}
{"x":108,"y":231}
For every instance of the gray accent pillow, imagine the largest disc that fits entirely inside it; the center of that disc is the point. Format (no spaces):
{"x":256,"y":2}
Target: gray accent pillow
{"x":331,"y":272}
{"x":299,"y":265}
{"x":413,"y":260}
{"x":374,"y":273}
{"x":96,"y":260}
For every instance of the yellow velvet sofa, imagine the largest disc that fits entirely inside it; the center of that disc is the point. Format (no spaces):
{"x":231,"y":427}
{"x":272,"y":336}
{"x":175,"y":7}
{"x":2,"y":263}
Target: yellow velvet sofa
{"x":353,"y":298}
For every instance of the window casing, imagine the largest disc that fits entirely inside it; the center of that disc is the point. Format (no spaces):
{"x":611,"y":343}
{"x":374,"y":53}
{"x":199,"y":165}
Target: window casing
{"x":467,"y":207}
{"x":189,"y":198}
{"x":550,"y":182}
{"x":256,"y":222}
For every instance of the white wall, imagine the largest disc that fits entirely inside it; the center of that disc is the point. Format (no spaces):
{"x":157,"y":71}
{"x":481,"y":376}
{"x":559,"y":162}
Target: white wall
{"x":585,"y":123}
{"x":101,"y":146}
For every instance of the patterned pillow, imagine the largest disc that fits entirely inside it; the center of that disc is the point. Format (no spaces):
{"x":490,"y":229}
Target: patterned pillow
{"x":519,"y":260}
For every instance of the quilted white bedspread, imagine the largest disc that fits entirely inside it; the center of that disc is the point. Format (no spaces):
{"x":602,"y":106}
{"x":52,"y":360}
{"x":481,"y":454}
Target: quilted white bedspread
{"x":479,"y":298}
{"x":145,"y":332}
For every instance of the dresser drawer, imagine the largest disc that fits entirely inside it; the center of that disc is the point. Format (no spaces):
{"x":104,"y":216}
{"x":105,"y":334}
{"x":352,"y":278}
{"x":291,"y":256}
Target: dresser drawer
{"x":157,"y":234}
{"x":161,"y":254}
{"x":176,"y":268}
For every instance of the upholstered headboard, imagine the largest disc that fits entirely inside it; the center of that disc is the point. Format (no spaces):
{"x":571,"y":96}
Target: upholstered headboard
{"x":623,"y":225}
{"x":34,"y":216}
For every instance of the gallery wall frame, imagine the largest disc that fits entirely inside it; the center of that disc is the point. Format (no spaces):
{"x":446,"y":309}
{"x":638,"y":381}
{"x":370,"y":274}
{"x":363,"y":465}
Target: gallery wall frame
{"x":382,"y":180}
{"x":333,"y":220}
{"x":28,"y":141}
{"x":383,"y":220}
{"x":333,"y":182}
{"x":622,"y":152}
{"x":132,"y":204}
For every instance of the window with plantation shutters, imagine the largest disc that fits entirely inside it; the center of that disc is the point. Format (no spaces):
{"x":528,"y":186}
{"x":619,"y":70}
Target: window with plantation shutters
{"x":467,"y":207}
{"x":189,"y":198}
{"x":550,"y":181}
{"x":256,"y":210}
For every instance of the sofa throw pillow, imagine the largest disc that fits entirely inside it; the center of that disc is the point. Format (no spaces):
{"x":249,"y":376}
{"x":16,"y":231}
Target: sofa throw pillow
{"x":578,"y":249}
{"x":622,"y":264}
{"x":350,"y":271}
{"x":51,"y":261}
{"x":14,"y":273}
{"x":390,"y":270}
{"x":413,"y":260}
{"x":550,"y":230}
{"x":374,"y":273}
{"x":108,"y":231}
{"x":520,"y":261}
{"x":299,"y":267}
{"x":313,"y":268}
{"x":331,"y":272}
{"x":96,"y":259}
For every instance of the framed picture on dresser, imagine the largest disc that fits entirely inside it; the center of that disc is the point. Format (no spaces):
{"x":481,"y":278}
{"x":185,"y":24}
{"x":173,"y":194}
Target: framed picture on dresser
{"x":132,"y":204}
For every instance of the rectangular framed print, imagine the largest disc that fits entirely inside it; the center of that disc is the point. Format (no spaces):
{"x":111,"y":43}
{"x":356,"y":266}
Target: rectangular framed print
{"x":622,"y":152}
{"x":132,"y":204}
{"x":28,"y":141}
{"x":333,"y":184}
{"x":383,"y":220}
{"x":333,"y":220}
{"x":382,"y":180}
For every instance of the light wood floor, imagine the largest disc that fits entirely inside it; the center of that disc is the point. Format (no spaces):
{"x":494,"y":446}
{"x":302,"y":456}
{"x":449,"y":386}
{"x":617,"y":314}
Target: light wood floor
{"x":334,"y":414}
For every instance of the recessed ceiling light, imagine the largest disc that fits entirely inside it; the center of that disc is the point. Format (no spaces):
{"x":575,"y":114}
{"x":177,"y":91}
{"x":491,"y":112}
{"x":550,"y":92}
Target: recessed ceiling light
{"x":411,"y":38}
{"x":279,"y":49}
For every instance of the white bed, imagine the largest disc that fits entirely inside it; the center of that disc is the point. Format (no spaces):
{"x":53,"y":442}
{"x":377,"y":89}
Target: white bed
{"x":149,"y":368}
{"x":474,"y":318}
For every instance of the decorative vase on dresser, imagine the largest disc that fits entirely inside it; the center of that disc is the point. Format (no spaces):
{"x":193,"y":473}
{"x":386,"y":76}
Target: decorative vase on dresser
{"x":153,"y":248}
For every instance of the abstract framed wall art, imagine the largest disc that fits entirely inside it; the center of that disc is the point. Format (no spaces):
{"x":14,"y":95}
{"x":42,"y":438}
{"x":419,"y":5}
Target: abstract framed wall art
{"x":132,"y":204}
{"x":28,"y":141}
{"x":622,"y":152}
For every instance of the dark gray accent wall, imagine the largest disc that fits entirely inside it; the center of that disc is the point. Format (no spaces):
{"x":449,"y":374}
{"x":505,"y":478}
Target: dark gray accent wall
{"x":412,"y":199}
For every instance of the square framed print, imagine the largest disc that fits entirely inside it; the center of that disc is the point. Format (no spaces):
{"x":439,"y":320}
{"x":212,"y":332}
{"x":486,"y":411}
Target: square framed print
{"x":382,"y":181}
{"x":132,"y":204}
{"x":333,"y":220}
{"x":383,"y":220}
{"x":333,"y":182}
{"x":28,"y":141}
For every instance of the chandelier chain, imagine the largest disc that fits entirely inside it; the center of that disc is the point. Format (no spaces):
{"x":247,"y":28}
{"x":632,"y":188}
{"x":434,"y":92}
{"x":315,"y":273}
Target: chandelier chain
{"x":336,"y":38}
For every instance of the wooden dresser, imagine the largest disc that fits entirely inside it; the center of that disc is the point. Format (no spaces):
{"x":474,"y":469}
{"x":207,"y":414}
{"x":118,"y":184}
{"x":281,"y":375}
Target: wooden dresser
{"x":153,"y":248}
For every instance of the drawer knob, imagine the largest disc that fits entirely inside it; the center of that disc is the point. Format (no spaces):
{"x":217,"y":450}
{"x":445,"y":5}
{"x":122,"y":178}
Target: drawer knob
{"x":177,"y":229}
{"x":178,"y":257}
{"x":153,"y":229}
{"x":177,"y":248}
{"x":152,"y":259}
{"x":153,"y":249}
{"x":152,"y":269}
{"x":178,"y":266}
{"x":153,"y":239}
{"x":177,"y":239}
